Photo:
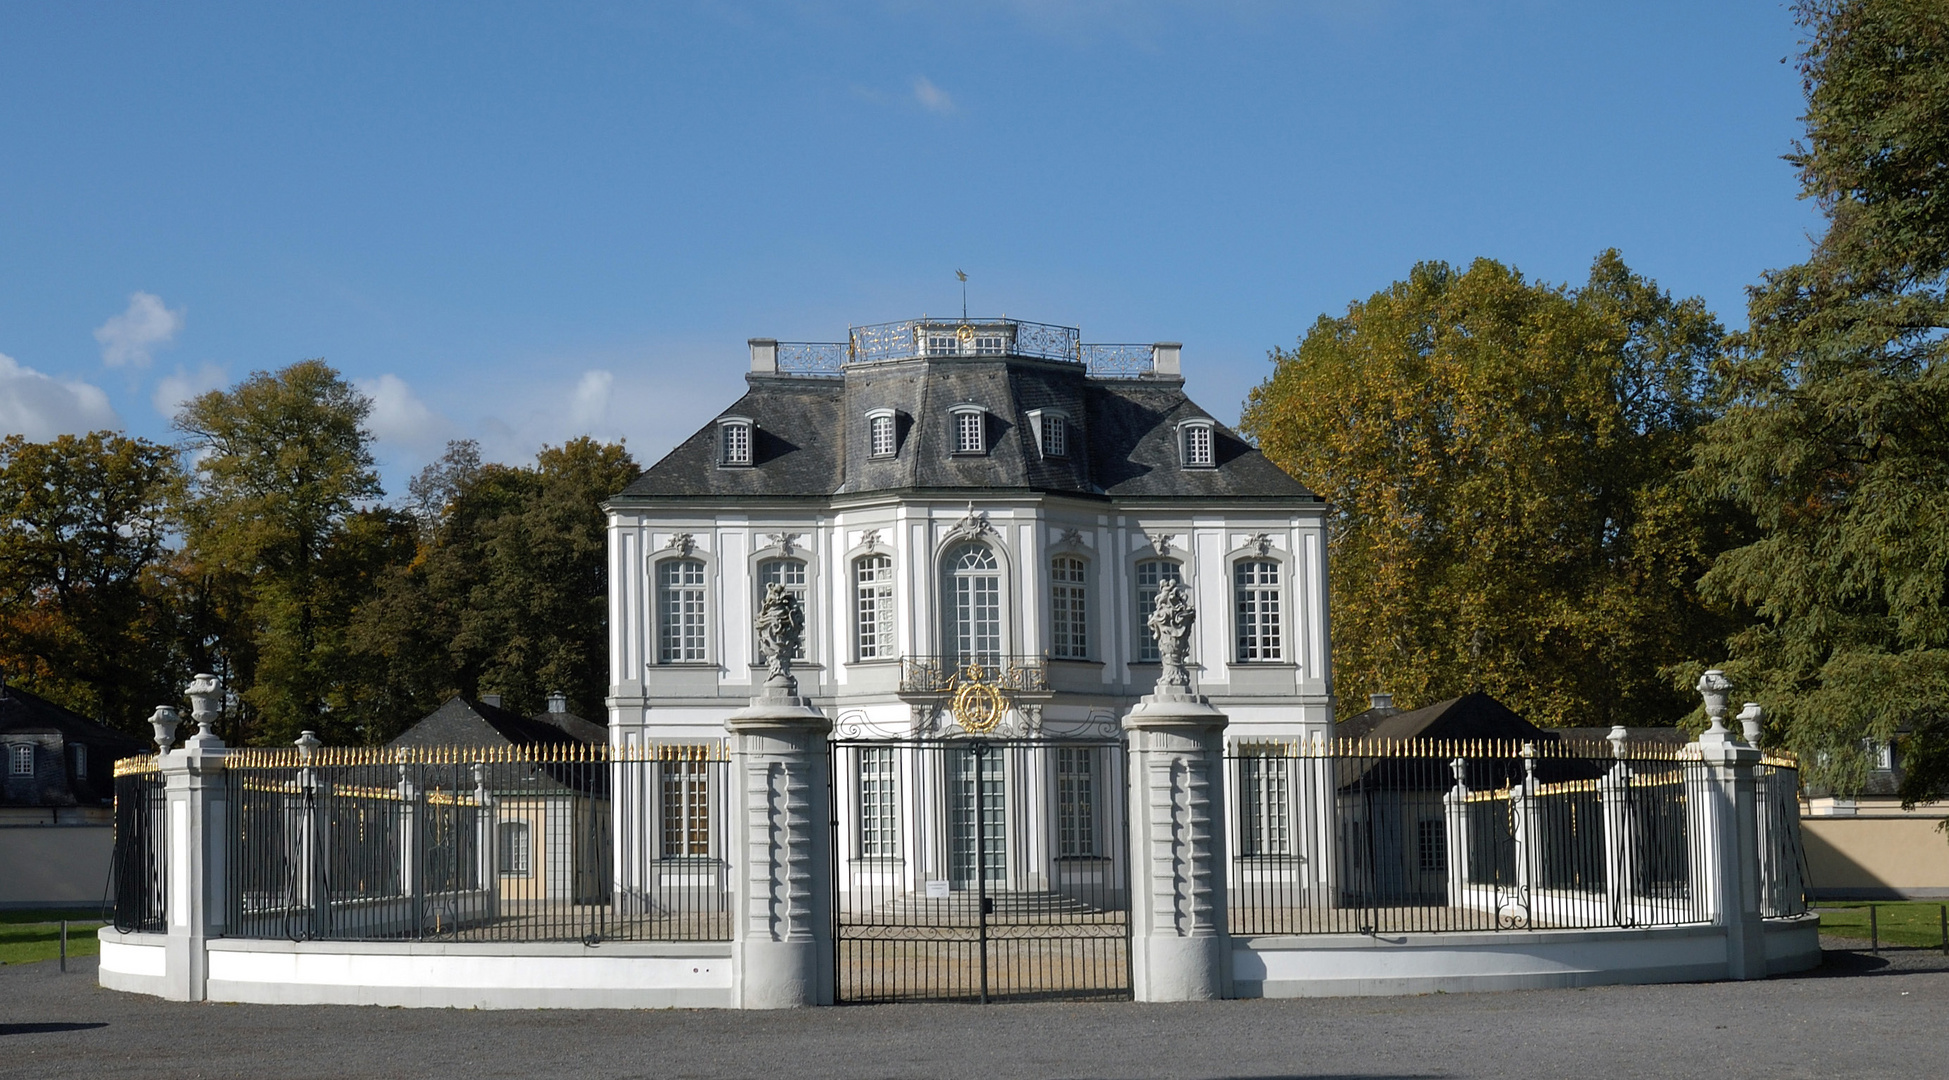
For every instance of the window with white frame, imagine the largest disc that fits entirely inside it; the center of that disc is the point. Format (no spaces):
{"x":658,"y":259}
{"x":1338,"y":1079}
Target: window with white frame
{"x":879,"y":835}
{"x":1069,"y":636}
{"x":990,"y":344}
{"x":734,"y":442}
{"x":943,"y":343}
{"x":1150,"y":574}
{"x":1055,"y":435}
{"x":686,"y":808}
{"x":970,"y":431}
{"x":20,"y":759}
{"x":1075,"y":801}
{"x":1256,"y":590}
{"x":873,"y":606}
{"x":974,"y":602}
{"x":680,"y":611}
{"x":880,"y":434}
{"x":791,"y":574}
{"x":1196,"y":436}
{"x":517,"y":848}
{"x":1265,"y":827}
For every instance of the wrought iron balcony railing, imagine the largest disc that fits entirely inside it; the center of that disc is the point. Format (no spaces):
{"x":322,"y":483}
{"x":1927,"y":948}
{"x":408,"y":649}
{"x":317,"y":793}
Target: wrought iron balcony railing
{"x":946,"y":674}
{"x":913,"y":338}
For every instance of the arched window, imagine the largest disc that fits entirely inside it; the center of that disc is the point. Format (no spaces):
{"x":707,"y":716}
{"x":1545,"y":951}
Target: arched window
{"x":1255,"y":585}
{"x":974,"y":602}
{"x":1150,"y":574}
{"x":791,"y":574}
{"x":873,"y":606}
{"x":1069,"y":636}
{"x":680,"y":611}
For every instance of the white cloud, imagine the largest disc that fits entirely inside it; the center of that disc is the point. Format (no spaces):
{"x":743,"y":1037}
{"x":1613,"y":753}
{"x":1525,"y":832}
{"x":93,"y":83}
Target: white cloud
{"x":41,"y":406}
{"x":173,"y":390}
{"x":931,"y":97}
{"x":400,"y":419}
{"x":145,"y":324}
{"x":589,"y":408}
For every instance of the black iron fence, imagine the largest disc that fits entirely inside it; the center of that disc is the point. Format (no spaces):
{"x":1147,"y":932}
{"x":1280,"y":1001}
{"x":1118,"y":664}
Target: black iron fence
{"x":580,"y":843}
{"x":1418,"y":836}
{"x":980,"y":869}
{"x":139,"y":870}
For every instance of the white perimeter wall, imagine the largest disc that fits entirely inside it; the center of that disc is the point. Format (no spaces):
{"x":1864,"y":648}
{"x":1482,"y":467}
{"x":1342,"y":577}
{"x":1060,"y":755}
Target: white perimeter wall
{"x":614,"y":975}
{"x":1341,"y":965}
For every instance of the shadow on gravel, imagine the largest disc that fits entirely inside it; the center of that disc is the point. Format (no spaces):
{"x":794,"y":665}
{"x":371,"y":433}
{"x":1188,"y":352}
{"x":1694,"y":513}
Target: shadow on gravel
{"x":43,"y":1029}
{"x":1841,"y":959}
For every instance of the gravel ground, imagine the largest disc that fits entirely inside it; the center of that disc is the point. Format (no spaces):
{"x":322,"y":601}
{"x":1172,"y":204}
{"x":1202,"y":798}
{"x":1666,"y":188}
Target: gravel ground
{"x":1858,"y":1015}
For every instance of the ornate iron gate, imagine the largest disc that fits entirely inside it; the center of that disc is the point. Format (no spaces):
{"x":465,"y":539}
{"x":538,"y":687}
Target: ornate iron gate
{"x":980,"y":869}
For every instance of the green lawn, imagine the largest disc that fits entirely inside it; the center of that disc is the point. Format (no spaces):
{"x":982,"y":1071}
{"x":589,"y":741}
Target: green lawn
{"x":29,"y":936}
{"x":1915,"y":923}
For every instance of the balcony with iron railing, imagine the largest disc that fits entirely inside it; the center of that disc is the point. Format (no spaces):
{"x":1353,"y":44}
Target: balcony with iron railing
{"x":912,"y":339}
{"x":946,"y":674}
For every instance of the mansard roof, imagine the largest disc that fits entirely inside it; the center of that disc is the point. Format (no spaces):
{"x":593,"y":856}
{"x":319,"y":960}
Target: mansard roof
{"x":810,"y":436}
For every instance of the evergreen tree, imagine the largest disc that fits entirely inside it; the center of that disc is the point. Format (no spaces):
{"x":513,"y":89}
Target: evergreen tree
{"x":1835,"y":429}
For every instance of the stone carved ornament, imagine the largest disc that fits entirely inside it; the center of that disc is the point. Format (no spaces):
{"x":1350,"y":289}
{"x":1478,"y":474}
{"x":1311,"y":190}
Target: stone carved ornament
{"x":781,"y":629}
{"x":1170,"y":622}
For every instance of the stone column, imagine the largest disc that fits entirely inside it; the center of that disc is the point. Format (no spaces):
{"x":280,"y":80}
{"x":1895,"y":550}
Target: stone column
{"x":1729,"y":821}
{"x":197,"y":813}
{"x":1620,"y":843}
{"x":1455,"y":819}
{"x":1180,"y":949}
{"x":781,"y":859}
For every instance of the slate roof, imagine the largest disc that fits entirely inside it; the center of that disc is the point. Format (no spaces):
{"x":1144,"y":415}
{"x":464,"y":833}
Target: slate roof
{"x":29,"y":714}
{"x":587,"y":731}
{"x":811,"y":437}
{"x":460,"y":722}
{"x":1474,"y":715}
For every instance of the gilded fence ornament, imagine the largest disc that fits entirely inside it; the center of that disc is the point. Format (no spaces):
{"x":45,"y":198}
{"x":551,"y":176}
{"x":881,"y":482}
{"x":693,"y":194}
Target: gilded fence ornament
{"x":1170,"y":623}
{"x":781,"y":627}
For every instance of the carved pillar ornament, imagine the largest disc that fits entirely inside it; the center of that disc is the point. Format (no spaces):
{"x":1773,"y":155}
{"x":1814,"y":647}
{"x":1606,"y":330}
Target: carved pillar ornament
{"x":1161,"y":542}
{"x":781,"y":628}
{"x":870,"y":539}
{"x":683,"y":543}
{"x":785,"y":542}
{"x":1170,"y":623}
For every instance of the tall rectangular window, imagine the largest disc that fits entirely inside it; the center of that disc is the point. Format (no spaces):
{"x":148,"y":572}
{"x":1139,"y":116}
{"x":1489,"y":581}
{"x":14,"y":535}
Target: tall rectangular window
{"x":1265,"y":824}
{"x":78,"y":758}
{"x":1075,"y":801}
{"x":879,"y":435}
{"x":1431,"y":845}
{"x":737,"y":444}
{"x":879,"y":835}
{"x":873,"y":606}
{"x":1068,"y":610}
{"x":20,"y":761}
{"x":1055,"y":436}
{"x":968,"y":433}
{"x":516,"y":849}
{"x":791,"y":574}
{"x":1150,"y":574}
{"x":1256,"y":586}
{"x":686,"y":808}
{"x":1197,"y":444}
{"x":680,"y":611}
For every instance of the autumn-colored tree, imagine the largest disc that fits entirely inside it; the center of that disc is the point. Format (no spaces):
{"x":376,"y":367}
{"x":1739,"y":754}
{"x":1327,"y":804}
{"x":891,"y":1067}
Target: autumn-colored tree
{"x":508,"y":593}
{"x":1835,"y":432}
{"x":283,"y":538}
{"x":1501,"y":457}
{"x":83,"y":615}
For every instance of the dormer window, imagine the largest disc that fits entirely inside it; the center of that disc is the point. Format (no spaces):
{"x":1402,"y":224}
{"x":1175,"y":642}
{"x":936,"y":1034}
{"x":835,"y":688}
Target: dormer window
{"x":881,"y":433}
{"x":1195,"y":444}
{"x":1051,"y":432}
{"x":734,"y":438}
{"x":970,"y":429}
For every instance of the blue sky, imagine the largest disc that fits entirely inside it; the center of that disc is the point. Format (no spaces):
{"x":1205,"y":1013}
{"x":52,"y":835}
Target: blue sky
{"x":519,"y":223}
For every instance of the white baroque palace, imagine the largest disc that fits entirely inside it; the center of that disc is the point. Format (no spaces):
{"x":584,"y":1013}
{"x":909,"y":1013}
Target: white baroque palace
{"x":944,"y":492}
